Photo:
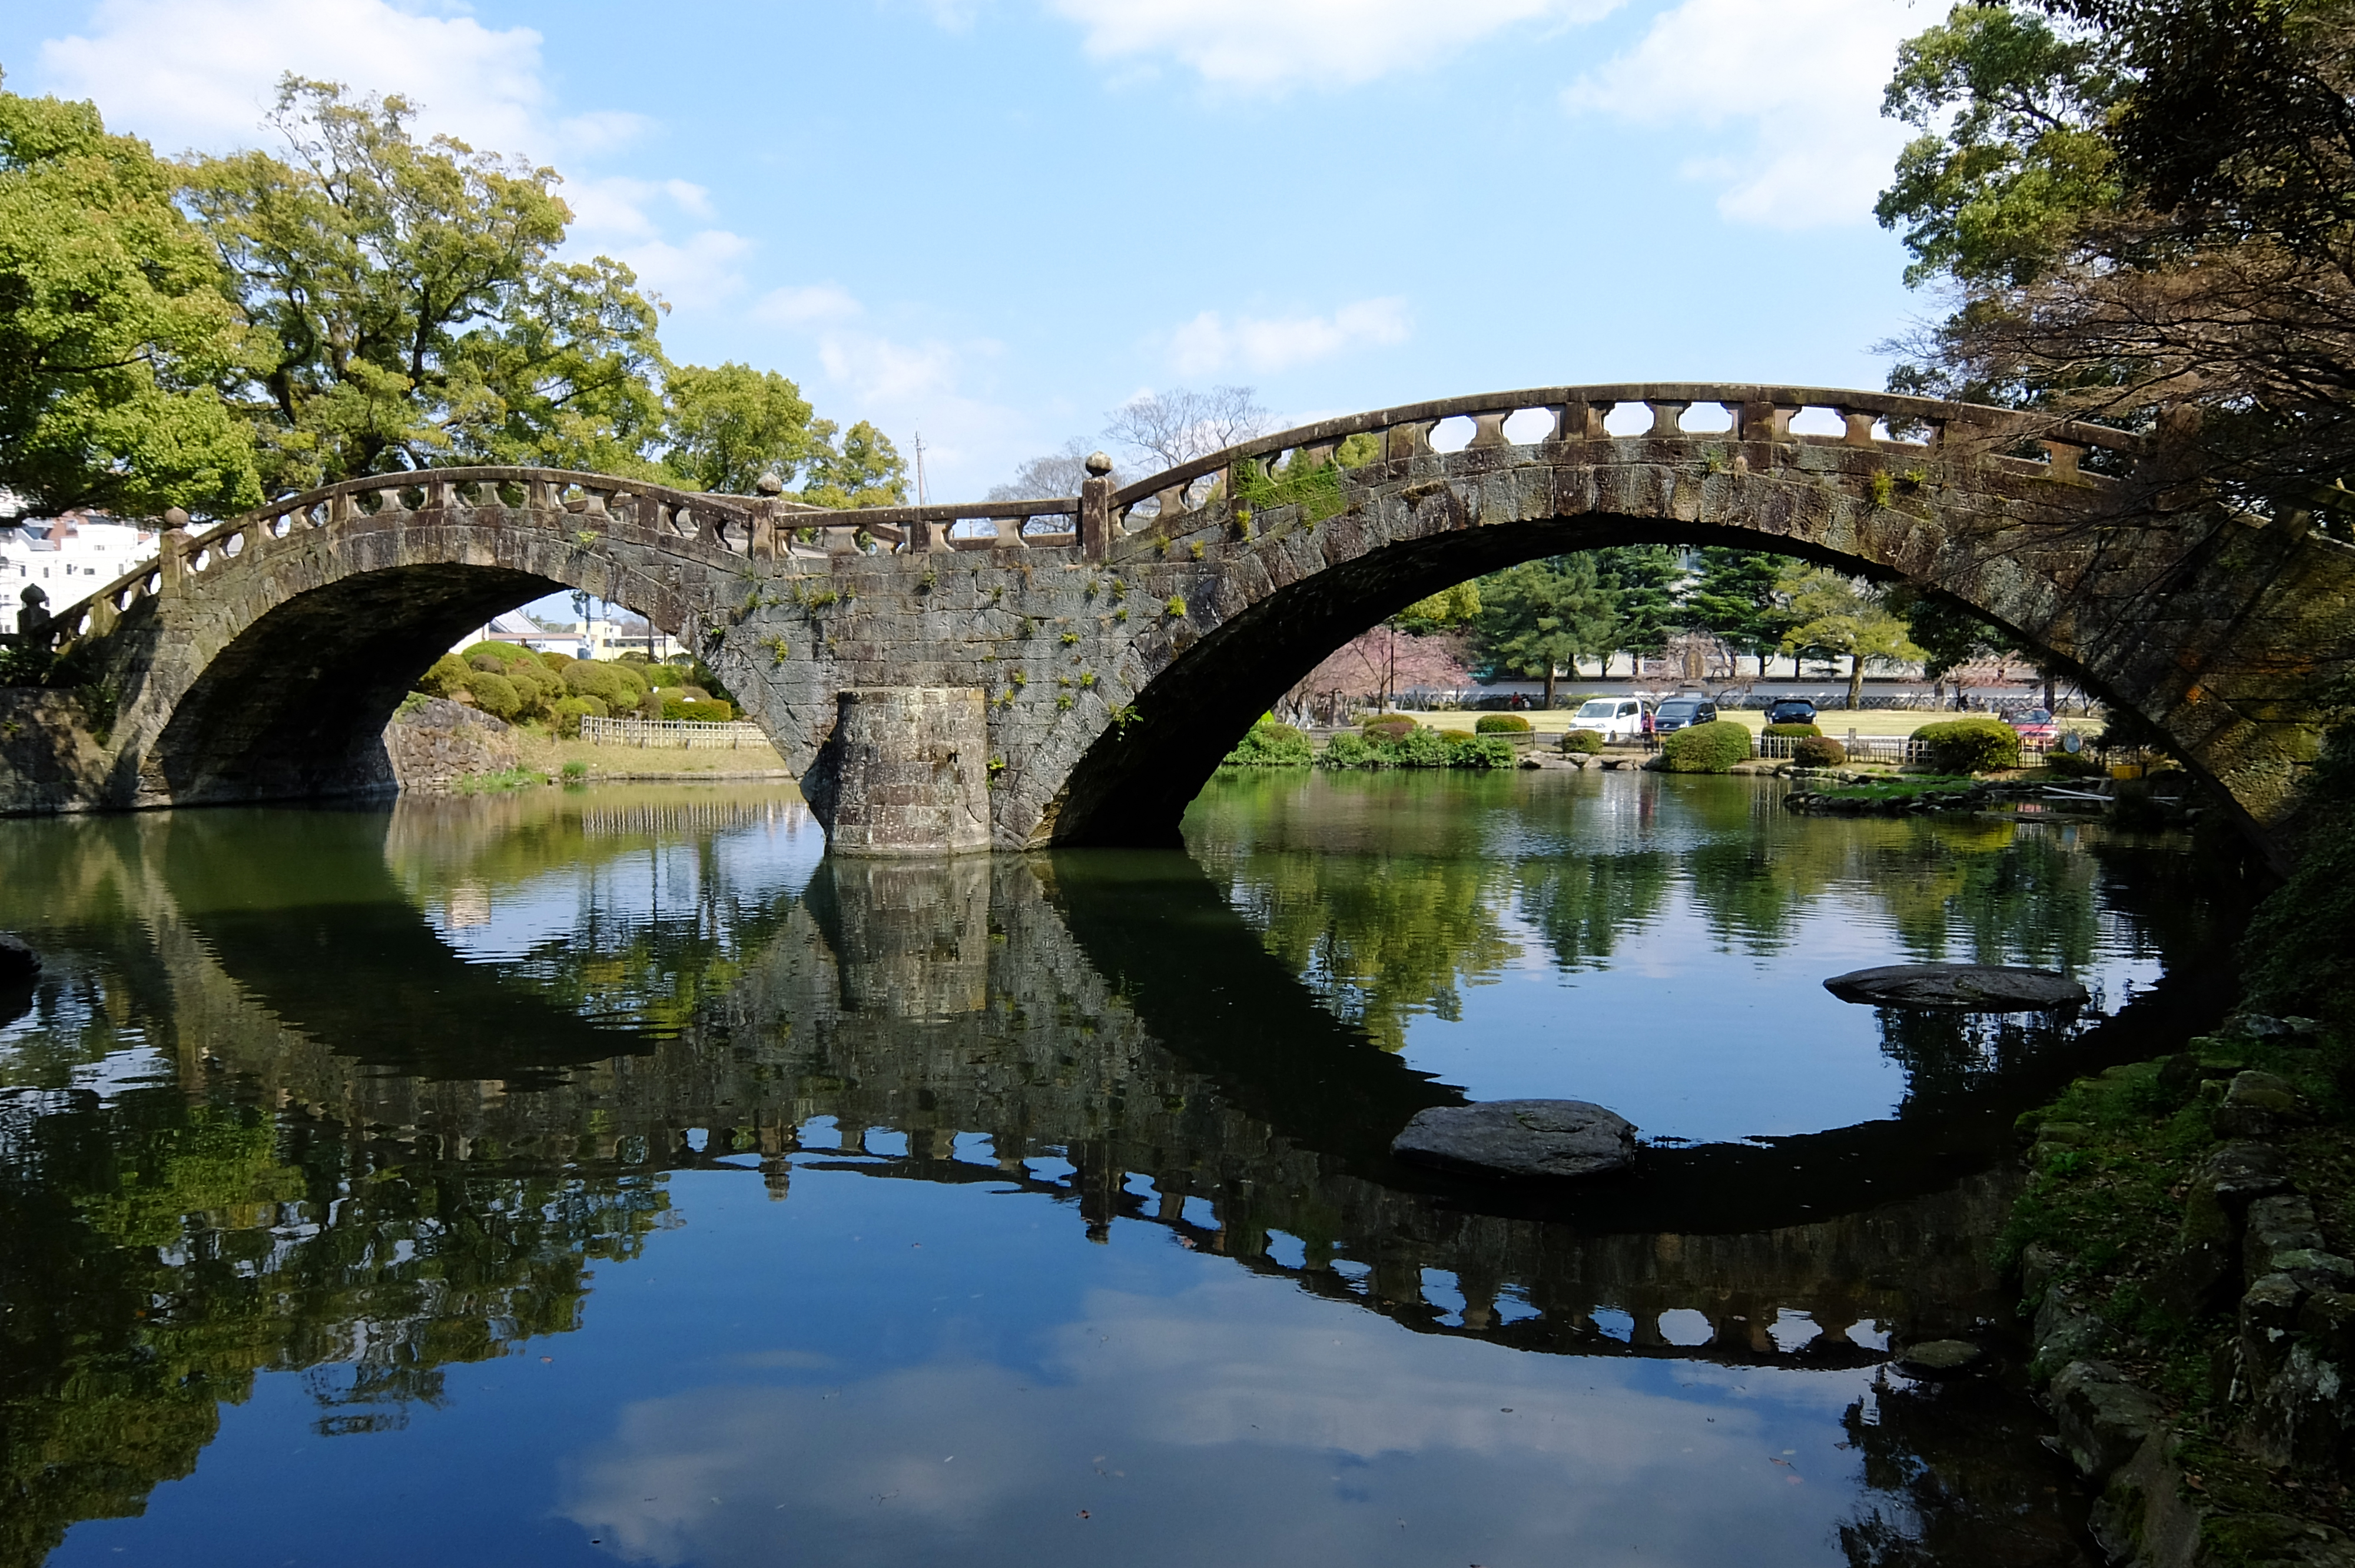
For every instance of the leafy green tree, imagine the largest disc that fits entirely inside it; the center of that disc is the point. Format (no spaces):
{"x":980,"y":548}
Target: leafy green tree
{"x":863,"y":469}
{"x":1450,"y":610}
{"x":725,"y":428}
{"x":1643,"y":581}
{"x":1541,"y":616}
{"x":2147,"y":212}
{"x":2012,"y":155}
{"x":1831,"y":613}
{"x":110,"y":329}
{"x":407,"y":307}
{"x":1738,"y":597}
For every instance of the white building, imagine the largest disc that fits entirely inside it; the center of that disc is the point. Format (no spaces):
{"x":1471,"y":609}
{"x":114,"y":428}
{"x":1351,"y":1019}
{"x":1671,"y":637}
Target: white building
{"x":67,"y":557}
{"x":599,"y":639}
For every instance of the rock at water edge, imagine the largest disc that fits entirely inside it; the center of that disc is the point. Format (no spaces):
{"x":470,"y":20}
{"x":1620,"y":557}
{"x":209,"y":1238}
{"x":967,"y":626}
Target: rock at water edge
{"x":1520,"y":1137}
{"x":19,"y":965}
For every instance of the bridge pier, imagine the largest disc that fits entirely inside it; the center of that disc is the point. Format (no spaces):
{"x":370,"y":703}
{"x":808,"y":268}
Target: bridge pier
{"x":906,"y":772}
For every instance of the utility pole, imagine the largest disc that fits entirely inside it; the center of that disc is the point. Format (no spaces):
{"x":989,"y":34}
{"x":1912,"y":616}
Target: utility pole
{"x":919,"y":467}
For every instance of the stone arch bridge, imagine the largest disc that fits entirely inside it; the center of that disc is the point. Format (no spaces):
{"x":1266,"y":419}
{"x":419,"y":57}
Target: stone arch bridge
{"x":1019,"y":673}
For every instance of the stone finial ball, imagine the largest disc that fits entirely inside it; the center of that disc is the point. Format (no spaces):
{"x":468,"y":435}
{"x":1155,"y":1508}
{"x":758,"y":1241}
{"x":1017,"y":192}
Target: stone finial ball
{"x":176,"y":517}
{"x":770,"y":484}
{"x":1099,"y":464}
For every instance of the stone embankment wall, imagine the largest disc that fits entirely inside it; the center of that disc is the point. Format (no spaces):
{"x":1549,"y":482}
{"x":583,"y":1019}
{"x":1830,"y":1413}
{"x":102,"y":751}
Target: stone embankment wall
{"x":48,"y":759}
{"x":2284,"y":1393}
{"x":438,"y":743}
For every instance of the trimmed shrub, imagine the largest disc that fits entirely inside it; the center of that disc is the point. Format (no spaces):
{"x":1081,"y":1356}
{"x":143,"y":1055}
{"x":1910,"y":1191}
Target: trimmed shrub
{"x":445,"y":678}
{"x":1482,"y":752}
{"x":1970,"y":746}
{"x":504,"y":653}
{"x":1791,"y":731}
{"x":1346,"y":750}
{"x":490,"y":662}
{"x":1819,"y":751}
{"x":1501,"y":724}
{"x":1272,"y":745}
{"x":606,"y":682}
{"x":1389,"y":726}
{"x":704,"y":712}
{"x":1711,"y":747}
{"x":556,"y":662}
{"x":495,"y":694}
{"x":1421,"y":749}
{"x":568,"y":712}
{"x":1589,"y":741}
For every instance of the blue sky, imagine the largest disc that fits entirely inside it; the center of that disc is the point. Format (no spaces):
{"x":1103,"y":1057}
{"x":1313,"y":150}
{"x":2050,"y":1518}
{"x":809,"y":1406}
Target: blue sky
{"x":994,"y":220}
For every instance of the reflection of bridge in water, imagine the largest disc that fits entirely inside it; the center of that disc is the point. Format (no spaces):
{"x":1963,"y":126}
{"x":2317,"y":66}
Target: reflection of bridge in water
{"x":1160,"y":1068}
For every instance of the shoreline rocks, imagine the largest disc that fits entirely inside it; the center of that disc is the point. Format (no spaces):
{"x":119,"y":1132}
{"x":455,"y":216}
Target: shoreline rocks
{"x":1961,"y":988}
{"x":1553,"y":1138}
{"x":19,"y":965}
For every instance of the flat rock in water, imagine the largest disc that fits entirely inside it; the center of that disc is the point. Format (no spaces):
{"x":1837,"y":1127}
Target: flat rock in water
{"x":1966,"y":987}
{"x":1937,"y":1358}
{"x":1520,"y":1137}
{"x":19,"y":965}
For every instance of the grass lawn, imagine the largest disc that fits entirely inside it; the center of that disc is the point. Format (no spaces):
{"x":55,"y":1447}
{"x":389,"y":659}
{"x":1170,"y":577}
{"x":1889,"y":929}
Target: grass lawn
{"x":546,"y":754}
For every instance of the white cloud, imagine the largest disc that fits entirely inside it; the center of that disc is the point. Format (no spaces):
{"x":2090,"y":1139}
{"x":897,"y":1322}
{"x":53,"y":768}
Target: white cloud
{"x":1794,"y":84}
{"x":626,"y":219}
{"x":806,"y":305}
{"x":201,"y":73}
{"x":1210,"y":344}
{"x":1272,"y":45}
{"x":1233,"y":1391}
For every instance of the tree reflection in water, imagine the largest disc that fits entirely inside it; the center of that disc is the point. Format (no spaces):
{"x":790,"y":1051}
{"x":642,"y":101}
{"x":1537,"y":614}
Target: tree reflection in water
{"x":265,"y":1115}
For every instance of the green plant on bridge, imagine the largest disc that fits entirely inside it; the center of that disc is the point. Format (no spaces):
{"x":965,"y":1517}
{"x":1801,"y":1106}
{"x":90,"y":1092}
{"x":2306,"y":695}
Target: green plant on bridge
{"x":1314,"y":488}
{"x":1175,"y":609}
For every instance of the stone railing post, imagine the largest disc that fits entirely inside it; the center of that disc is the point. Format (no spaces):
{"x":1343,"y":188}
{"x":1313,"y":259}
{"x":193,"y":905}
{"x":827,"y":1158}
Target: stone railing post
{"x":762,"y":545}
{"x":1095,"y":509}
{"x":172,"y":554}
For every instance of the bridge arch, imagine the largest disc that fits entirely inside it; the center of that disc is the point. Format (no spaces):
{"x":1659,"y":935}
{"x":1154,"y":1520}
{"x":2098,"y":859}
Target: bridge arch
{"x":261,"y":658}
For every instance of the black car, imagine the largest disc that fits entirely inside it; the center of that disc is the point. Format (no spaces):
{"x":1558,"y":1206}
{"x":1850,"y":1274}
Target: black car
{"x":1679,"y":712}
{"x":1791,"y":710}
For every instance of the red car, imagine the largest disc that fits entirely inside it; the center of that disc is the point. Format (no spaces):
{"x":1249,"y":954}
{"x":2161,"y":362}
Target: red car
{"x":2034,"y":724}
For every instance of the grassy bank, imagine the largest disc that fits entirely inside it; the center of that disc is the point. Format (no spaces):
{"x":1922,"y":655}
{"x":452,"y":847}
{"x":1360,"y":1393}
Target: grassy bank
{"x":2227,"y":1299}
{"x":545,"y":754}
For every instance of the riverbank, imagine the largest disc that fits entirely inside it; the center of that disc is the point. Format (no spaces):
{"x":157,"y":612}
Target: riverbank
{"x":2185,"y":1249}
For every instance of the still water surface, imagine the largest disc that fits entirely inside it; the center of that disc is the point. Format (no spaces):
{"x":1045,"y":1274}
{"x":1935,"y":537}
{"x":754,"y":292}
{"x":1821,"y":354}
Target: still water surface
{"x":606,"y":1176}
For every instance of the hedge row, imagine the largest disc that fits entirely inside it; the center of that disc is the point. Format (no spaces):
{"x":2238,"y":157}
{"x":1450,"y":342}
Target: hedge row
{"x":1403,"y":744}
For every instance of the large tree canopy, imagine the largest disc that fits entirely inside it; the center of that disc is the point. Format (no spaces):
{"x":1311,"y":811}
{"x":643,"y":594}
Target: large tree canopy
{"x":407,"y":305}
{"x":112,"y":332}
{"x":2147,"y":209}
{"x":203,"y":333}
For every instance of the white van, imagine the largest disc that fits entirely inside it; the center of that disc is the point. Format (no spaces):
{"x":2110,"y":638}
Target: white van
{"x":1613,"y":718}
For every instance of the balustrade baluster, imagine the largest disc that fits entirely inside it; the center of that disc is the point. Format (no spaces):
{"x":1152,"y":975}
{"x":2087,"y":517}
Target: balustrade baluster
{"x":1407,"y":440}
{"x":1860,"y":426}
{"x":1668,"y":417}
{"x":1488,"y":430}
{"x":1009,"y":532}
{"x":2064,"y":456}
{"x":1321,"y":452}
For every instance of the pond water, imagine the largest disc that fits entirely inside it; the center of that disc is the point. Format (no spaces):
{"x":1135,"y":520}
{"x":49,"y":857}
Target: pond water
{"x":607,"y":1176}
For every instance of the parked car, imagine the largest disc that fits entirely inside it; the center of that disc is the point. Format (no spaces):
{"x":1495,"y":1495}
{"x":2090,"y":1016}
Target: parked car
{"x":1678,"y":713}
{"x":1791,"y":710}
{"x":2033,"y":724}
{"x":1613,"y":718}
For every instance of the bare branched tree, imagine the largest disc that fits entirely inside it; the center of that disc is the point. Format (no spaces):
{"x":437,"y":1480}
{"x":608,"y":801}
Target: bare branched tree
{"x":1053,"y":475}
{"x":1163,"y":429}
